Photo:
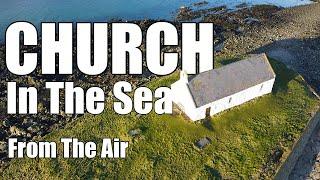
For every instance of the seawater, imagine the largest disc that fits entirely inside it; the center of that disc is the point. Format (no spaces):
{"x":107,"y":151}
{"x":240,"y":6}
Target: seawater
{"x":37,"y":11}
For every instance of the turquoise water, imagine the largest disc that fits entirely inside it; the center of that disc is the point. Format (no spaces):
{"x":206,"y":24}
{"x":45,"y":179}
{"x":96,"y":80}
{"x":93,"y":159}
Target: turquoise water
{"x":37,"y":11}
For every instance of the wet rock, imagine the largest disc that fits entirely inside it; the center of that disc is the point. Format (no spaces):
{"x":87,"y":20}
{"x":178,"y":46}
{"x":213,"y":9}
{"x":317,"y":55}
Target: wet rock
{"x":33,"y":129}
{"x":29,"y":135}
{"x":27,"y":122}
{"x":188,"y":13}
{"x":264,"y":11}
{"x":41,"y":133}
{"x":7,"y":123}
{"x":242,"y":5}
{"x":251,"y":21}
{"x":219,"y":47}
{"x":239,"y":30}
{"x":2,"y":59}
{"x":232,"y":20}
{"x":184,"y":13}
{"x":3,"y":134}
{"x":3,"y":147}
{"x":203,"y":142}
{"x":202,"y":3}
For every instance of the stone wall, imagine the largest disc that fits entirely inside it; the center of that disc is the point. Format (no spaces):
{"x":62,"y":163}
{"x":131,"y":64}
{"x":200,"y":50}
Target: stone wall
{"x":288,"y":165}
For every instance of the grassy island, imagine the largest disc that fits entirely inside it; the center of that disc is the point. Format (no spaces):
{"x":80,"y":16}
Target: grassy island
{"x":248,"y":141}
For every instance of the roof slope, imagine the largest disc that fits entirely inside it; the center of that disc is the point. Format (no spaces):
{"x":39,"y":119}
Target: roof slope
{"x":215,"y":84}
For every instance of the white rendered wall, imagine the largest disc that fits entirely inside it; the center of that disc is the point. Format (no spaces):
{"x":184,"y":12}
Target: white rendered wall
{"x":183,"y":98}
{"x":239,"y":98}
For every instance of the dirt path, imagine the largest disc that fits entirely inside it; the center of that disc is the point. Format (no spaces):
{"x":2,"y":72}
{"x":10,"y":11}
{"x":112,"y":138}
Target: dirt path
{"x":293,"y":38}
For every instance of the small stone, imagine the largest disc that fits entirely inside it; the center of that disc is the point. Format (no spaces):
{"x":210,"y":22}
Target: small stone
{"x":219,"y":47}
{"x":29,"y":135}
{"x":203,"y":142}
{"x":16,"y":131}
{"x":33,"y":129}
{"x":134,"y":132}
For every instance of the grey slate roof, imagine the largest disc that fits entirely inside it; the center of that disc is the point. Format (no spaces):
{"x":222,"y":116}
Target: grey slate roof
{"x":216,"y":84}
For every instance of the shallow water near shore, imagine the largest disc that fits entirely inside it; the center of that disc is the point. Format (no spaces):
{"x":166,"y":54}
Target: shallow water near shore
{"x":37,"y":11}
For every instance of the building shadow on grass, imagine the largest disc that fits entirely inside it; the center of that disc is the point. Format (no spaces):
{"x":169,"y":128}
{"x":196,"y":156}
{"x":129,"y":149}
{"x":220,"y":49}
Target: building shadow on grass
{"x":207,"y":123}
{"x":283,"y":76}
{"x":303,"y":57}
{"x":300,"y":55}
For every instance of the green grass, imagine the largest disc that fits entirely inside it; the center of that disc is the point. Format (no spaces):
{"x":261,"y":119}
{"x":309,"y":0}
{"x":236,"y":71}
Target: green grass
{"x":243,"y":139}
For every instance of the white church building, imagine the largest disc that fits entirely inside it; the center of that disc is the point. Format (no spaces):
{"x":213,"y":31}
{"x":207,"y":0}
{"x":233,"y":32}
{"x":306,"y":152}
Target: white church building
{"x":214,"y":91}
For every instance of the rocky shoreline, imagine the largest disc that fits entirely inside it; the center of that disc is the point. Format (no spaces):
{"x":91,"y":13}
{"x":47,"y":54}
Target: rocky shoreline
{"x":250,"y":29}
